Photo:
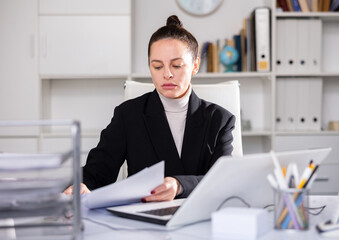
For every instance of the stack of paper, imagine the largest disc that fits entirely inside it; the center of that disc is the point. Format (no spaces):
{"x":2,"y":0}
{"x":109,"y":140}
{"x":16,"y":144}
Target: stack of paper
{"x":19,"y":162}
{"x":31,"y":195}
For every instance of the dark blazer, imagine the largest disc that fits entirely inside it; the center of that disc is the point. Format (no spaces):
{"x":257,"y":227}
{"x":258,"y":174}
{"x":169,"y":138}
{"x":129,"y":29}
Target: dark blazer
{"x":139,"y":132}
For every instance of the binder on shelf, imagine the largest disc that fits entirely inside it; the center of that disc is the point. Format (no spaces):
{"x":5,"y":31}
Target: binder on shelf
{"x":315,"y":45}
{"x":291,"y":44}
{"x":303,"y":60}
{"x":315,"y":103}
{"x":303,"y":107}
{"x":280,"y":118}
{"x":262,"y":43}
{"x":290,"y":105}
{"x":281,"y":46}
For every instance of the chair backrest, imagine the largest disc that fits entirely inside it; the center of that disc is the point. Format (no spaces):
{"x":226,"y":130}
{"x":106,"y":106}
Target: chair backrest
{"x":225,"y":94}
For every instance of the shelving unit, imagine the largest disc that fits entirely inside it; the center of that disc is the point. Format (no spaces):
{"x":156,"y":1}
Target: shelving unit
{"x":90,"y":96}
{"x":330,"y":75}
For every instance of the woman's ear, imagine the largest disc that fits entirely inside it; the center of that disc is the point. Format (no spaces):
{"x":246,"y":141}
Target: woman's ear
{"x":196,"y":65}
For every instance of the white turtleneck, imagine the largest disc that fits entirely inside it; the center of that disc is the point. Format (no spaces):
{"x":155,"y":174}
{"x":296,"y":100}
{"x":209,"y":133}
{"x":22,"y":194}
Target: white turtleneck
{"x":176,"y":112}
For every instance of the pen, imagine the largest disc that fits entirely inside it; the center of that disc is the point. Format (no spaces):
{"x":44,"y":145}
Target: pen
{"x":298,"y":195}
{"x":284,"y":171}
{"x":308,"y":172}
{"x":291,"y":182}
{"x":307,"y":175}
{"x":309,"y":179}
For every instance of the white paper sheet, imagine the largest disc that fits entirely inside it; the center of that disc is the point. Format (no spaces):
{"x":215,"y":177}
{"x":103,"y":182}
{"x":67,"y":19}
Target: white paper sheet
{"x":130,"y":190}
{"x":20,"y":161}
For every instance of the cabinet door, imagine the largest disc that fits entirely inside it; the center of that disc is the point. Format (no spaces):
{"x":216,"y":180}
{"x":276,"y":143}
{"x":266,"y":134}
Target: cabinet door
{"x":85,"y":7}
{"x":19,"y":82}
{"x":85,"y":45}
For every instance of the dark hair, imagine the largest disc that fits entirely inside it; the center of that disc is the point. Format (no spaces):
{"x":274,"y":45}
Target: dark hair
{"x":174,"y":29}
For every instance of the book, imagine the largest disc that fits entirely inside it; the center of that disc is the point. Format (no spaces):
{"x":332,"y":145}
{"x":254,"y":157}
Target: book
{"x":210,"y":57}
{"x":283,"y":5}
{"x":320,"y":5}
{"x":326,"y":5}
{"x":304,"y":5}
{"x":296,"y":5}
{"x":249,"y":44}
{"x":203,"y":57}
{"x":215,"y":62}
{"x":237,"y":46}
{"x":334,"y":5}
{"x":315,"y":6}
{"x":243,"y":50}
{"x":290,"y":6}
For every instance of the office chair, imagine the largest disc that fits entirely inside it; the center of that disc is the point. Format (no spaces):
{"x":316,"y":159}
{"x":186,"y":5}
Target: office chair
{"x":225,"y":94}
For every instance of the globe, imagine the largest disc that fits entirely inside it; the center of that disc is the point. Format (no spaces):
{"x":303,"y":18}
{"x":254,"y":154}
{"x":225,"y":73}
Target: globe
{"x":229,"y":56}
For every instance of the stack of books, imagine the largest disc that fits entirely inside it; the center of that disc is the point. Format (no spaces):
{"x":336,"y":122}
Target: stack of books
{"x":253,"y":44}
{"x":308,"y":5}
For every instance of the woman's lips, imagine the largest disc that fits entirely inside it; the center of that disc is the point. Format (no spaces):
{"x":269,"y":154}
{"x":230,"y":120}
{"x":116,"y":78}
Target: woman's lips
{"x":169,"y":86}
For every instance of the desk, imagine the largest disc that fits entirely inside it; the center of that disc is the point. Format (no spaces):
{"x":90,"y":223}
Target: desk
{"x":140,"y":230}
{"x":94,"y":231}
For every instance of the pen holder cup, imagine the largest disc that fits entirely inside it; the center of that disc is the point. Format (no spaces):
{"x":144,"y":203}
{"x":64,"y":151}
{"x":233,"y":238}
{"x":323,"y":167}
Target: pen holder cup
{"x":291,"y":209}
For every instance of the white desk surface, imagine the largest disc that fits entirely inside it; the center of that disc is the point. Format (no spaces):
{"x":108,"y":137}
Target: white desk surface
{"x":120,"y":228}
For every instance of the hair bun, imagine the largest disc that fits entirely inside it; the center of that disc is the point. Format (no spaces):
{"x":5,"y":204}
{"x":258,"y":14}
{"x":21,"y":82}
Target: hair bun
{"x":173,"y":21}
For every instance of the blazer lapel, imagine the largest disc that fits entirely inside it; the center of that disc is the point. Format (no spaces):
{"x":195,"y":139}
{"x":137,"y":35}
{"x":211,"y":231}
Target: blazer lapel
{"x":160,"y":134}
{"x":193,"y":136}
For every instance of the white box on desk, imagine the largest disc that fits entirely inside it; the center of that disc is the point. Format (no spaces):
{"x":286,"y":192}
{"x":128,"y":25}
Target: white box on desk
{"x":240,"y":223}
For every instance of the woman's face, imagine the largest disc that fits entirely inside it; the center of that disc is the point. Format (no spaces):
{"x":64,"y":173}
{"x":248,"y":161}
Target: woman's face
{"x":171,"y":67}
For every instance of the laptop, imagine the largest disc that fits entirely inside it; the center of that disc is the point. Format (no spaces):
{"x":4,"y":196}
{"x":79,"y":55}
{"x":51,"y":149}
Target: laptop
{"x":230,"y":182}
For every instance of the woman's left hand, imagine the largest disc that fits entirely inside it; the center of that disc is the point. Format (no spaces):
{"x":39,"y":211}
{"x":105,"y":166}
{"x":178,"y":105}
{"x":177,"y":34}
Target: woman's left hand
{"x":165,"y":192}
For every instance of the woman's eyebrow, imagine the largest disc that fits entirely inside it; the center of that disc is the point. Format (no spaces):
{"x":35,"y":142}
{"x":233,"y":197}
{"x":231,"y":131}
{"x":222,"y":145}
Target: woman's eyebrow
{"x":159,"y":61}
{"x":174,"y":59}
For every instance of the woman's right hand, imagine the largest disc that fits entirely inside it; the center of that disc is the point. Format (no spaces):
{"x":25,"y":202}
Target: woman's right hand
{"x":83,"y":189}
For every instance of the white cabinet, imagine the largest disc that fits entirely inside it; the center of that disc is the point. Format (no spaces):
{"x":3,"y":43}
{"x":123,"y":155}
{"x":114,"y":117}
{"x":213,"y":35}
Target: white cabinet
{"x":19,"y":81}
{"x":84,"y":46}
{"x":86,"y":7}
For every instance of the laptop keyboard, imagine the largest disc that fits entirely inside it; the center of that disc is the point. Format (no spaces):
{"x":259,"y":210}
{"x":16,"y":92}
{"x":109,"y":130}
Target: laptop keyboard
{"x":162,"y":211}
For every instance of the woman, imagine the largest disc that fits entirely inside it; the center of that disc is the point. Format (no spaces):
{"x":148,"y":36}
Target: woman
{"x":171,"y":124}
